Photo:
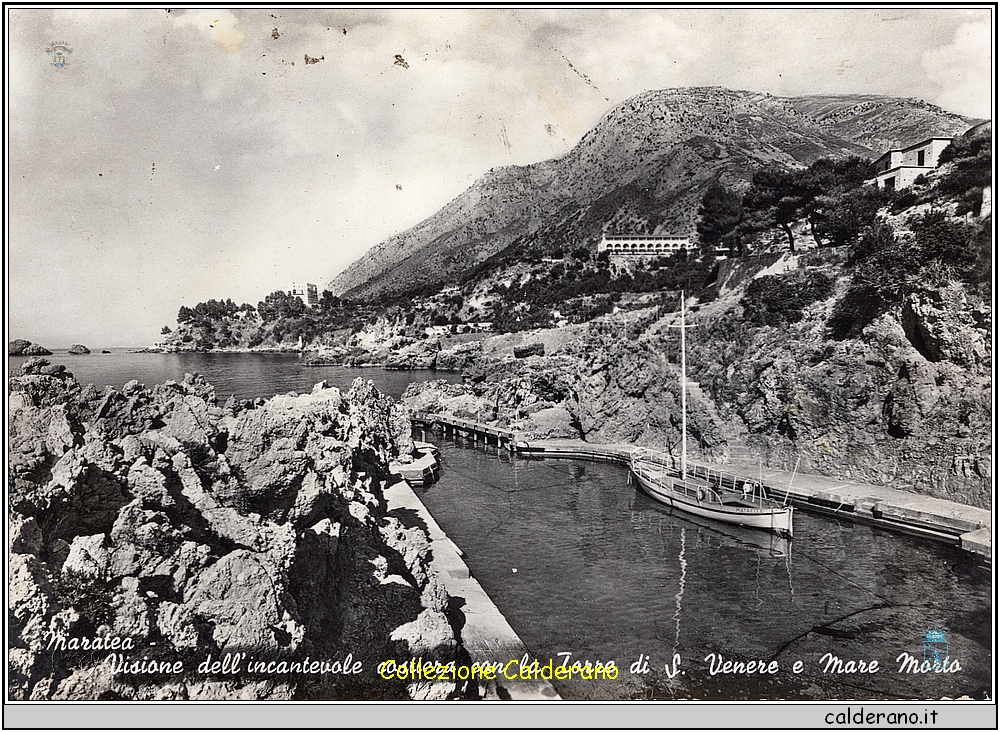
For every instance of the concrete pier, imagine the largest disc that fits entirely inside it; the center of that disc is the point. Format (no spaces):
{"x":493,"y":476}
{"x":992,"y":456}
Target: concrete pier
{"x":453,"y":426}
{"x":965,"y":526}
{"x":486,"y":635}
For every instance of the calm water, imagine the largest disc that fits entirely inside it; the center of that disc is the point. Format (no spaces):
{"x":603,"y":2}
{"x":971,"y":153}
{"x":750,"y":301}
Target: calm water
{"x":247,"y":375}
{"x":605,"y":573}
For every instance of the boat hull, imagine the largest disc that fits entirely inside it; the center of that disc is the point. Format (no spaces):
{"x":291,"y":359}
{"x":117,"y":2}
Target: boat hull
{"x":676,"y":494}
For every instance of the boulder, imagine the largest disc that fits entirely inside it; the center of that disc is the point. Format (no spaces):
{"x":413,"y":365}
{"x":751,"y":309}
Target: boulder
{"x":36,"y":350}
{"x":87,"y":557}
{"x":16,"y":347}
{"x":531,"y":349}
{"x":78,"y":350}
{"x":153,"y":514}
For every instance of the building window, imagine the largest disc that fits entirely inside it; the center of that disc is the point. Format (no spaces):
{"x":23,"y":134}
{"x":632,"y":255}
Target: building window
{"x":890,"y":183}
{"x":920,"y":158}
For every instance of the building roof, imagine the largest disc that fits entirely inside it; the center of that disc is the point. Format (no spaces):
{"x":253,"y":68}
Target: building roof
{"x":910,"y":147}
{"x":612,"y":237}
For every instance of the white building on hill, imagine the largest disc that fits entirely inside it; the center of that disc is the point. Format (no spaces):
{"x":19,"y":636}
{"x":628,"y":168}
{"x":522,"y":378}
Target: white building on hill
{"x":309,"y":294}
{"x":644,"y":244}
{"x":898,"y":169}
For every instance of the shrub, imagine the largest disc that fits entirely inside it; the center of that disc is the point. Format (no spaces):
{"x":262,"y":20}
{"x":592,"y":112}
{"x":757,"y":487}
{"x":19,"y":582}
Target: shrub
{"x":780,"y":299}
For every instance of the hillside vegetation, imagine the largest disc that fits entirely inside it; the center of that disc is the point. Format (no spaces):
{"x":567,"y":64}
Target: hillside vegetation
{"x":642,"y":169}
{"x":847,"y":333}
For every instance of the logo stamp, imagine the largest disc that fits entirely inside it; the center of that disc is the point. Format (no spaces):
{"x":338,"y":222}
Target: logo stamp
{"x":59,"y":52}
{"x":936,"y":648}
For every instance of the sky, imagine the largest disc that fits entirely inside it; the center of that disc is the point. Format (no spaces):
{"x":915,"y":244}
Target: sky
{"x":193,"y":154}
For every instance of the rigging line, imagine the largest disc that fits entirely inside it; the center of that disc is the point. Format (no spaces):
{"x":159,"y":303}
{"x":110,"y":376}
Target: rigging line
{"x":788,"y":571}
{"x":848,"y":580}
{"x":881,"y":606}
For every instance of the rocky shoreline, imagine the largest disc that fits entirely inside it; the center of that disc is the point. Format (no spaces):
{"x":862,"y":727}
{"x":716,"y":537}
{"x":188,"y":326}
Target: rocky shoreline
{"x":154,"y":524}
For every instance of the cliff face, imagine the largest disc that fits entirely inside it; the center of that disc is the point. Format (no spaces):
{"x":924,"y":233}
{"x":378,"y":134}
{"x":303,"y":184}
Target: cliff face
{"x":188,"y":530}
{"x":906,"y":403}
{"x":529,"y":395}
{"x":641,"y":169}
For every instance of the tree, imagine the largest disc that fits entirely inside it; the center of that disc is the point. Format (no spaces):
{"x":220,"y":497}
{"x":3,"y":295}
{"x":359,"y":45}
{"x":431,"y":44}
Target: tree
{"x":784,"y":196}
{"x":776,"y":192}
{"x":186,"y":314}
{"x":279,"y":304}
{"x":720,"y":212}
{"x":842,"y":218}
{"x":165,"y":330}
{"x":329,"y":301}
{"x":779,"y":299}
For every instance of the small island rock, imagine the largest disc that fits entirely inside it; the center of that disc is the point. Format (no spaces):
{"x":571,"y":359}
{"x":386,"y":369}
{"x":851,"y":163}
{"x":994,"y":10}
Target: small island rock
{"x":78,"y":350}
{"x":21,"y":347}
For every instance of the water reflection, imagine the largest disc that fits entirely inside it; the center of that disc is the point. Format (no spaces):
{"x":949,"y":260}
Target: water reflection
{"x":606,"y":573}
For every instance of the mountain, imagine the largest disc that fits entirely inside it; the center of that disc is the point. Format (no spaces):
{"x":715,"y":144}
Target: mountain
{"x":641,"y":169}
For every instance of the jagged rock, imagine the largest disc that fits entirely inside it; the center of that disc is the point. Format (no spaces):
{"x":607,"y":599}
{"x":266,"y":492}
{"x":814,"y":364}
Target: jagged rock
{"x":192,"y":420}
{"x":943,"y":325}
{"x":25,"y":537}
{"x":148,"y":484}
{"x":177,"y":624}
{"x":133,"y":616}
{"x":78,"y":350}
{"x":238,"y":596}
{"x":419,"y":355}
{"x":87,"y":557}
{"x":35,"y":349}
{"x":460,"y":357}
{"x":166,"y":519}
{"x":85,"y":496}
{"x":429,"y":636}
{"x":442,"y":397}
{"x":531,"y":349}
{"x":29,"y":589}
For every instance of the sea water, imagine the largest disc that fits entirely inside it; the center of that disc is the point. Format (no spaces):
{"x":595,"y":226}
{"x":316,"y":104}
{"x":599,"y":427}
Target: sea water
{"x":580,"y":562}
{"x":587,"y":568}
{"x":247,"y":375}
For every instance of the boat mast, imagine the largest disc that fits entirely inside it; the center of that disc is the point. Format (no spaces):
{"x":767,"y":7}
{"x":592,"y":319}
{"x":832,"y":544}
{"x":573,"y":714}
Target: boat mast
{"x":684,"y":431}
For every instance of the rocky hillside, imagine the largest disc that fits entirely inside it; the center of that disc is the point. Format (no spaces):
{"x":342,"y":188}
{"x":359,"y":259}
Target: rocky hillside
{"x":155,"y":525}
{"x":643,"y":168}
{"x":905,"y":403}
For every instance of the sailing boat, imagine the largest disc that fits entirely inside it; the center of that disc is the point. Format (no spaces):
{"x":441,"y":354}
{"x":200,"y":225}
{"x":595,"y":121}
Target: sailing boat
{"x":732,"y":501}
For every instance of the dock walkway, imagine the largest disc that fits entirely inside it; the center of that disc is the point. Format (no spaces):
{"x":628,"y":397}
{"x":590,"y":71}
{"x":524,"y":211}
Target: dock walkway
{"x":466,"y":428}
{"x":486,"y":635}
{"x":966,"y":526}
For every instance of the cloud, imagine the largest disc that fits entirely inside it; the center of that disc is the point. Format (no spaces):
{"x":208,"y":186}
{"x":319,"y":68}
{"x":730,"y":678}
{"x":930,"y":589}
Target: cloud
{"x":963,"y":69}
